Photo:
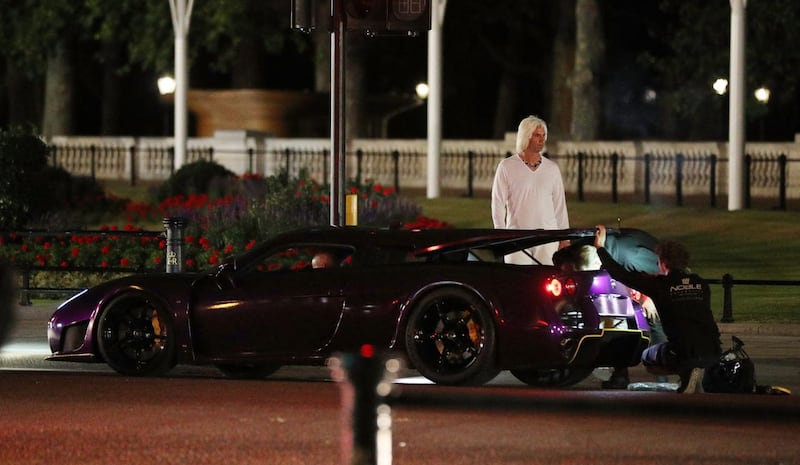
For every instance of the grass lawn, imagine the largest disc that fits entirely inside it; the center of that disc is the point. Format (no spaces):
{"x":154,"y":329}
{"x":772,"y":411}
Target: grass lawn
{"x":747,"y":244}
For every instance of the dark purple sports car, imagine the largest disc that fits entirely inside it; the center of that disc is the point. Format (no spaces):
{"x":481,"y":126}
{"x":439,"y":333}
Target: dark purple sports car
{"x":443,"y":298}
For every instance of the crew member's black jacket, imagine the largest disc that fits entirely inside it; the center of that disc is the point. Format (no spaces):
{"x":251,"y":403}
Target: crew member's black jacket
{"x":683,"y":303}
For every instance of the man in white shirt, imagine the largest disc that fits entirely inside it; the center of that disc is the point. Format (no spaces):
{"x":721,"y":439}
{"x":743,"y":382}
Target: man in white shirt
{"x":528,"y":192}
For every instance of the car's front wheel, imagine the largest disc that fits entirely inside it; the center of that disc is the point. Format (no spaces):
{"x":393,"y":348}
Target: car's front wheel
{"x":135,"y":336}
{"x":552,"y":377}
{"x":450,"y":338}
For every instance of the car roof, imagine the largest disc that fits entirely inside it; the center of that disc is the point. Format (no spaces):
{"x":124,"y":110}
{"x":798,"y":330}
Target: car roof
{"x":424,"y":241}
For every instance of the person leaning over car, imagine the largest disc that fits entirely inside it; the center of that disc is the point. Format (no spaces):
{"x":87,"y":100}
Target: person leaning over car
{"x":683,"y":302}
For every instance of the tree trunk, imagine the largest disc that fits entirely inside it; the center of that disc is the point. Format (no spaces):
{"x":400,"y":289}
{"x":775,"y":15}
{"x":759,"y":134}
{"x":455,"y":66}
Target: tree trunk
{"x":24,"y":96}
{"x":505,"y":104}
{"x":322,"y":51}
{"x":58,"y":119}
{"x":355,"y":97}
{"x":589,"y":53}
{"x":112,"y":96}
{"x":560,"y":123}
{"x":248,"y":68}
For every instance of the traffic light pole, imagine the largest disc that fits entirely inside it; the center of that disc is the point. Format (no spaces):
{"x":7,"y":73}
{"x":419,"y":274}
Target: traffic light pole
{"x":338,"y":139}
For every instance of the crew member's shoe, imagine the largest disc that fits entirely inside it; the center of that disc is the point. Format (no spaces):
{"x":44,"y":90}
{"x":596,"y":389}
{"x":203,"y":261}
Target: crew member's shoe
{"x":619,"y":380}
{"x":692,"y":381}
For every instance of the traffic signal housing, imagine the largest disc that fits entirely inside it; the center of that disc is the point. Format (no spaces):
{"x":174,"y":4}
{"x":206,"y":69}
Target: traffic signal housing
{"x":388,"y":16}
{"x":408,"y":15}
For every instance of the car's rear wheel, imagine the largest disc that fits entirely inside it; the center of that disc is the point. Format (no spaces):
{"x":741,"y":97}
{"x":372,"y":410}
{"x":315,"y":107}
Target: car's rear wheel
{"x":135,"y":336}
{"x":247,"y":370}
{"x":450,"y":338}
{"x":552,"y":377}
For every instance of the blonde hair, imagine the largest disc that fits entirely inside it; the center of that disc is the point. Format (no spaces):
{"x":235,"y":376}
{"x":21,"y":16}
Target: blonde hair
{"x":526,"y":128}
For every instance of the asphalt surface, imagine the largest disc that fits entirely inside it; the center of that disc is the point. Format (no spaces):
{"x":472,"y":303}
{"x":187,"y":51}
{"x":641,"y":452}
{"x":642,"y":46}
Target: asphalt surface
{"x":774,"y":349}
{"x":77,"y":413}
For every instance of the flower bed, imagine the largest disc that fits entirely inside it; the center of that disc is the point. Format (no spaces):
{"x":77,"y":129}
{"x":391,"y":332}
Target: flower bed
{"x":252,"y":209}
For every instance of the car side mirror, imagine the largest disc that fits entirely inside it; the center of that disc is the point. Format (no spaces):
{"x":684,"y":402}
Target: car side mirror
{"x":224,"y":275}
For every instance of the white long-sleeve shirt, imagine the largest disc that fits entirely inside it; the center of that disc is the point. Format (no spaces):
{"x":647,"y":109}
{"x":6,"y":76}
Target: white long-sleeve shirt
{"x":527,"y":199}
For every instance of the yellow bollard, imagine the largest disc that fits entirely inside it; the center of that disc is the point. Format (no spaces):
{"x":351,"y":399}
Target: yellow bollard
{"x":351,"y":207}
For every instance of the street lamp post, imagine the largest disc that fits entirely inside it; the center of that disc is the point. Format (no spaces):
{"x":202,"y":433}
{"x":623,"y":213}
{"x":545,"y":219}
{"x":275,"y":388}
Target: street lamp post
{"x":762,"y":95}
{"x":736,"y":137}
{"x":166,"y":87}
{"x":720,"y":87}
{"x":181,"y":12}
{"x":422,"y":92}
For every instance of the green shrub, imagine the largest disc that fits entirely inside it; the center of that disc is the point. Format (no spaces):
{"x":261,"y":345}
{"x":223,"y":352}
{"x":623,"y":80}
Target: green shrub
{"x":200,"y":177}
{"x":22,"y":155}
{"x":70,"y":202}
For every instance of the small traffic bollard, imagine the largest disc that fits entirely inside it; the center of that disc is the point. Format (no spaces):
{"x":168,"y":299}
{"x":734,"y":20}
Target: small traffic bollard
{"x":365,"y":379}
{"x":174,"y":227}
{"x":351,"y":210}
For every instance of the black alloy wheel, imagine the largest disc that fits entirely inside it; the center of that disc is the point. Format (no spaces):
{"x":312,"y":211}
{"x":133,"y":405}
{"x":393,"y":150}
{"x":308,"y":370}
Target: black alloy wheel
{"x":450,"y":338}
{"x":135,"y":337}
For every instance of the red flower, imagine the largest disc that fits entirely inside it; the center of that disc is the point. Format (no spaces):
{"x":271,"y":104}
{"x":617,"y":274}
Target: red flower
{"x":106,"y":249}
{"x":64,"y":264}
{"x":229,"y":249}
{"x":75,"y":252}
{"x":124,"y":262}
{"x":213,"y":259}
{"x":189,"y":263}
{"x":104,"y":264}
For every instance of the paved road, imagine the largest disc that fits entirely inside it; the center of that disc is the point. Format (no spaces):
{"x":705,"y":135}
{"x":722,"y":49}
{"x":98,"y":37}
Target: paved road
{"x":87,"y":415}
{"x":775,"y":350}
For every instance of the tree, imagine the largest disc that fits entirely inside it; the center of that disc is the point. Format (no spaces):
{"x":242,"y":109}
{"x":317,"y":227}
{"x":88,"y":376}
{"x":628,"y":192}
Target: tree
{"x":37,"y":37}
{"x":560,"y":103}
{"x":587,"y":74}
{"x":695,"y":50}
{"x":41,"y":40}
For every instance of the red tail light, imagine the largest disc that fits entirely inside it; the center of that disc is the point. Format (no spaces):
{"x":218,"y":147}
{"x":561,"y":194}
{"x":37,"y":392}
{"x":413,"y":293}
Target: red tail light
{"x":555,"y":287}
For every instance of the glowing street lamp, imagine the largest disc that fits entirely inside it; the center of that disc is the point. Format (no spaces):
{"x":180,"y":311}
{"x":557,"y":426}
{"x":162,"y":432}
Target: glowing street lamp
{"x":166,"y":85}
{"x":422,"y":90}
{"x":762,"y":95}
{"x":720,"y":86}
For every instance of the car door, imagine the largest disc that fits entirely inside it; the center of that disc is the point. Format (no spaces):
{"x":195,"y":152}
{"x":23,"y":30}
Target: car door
{"x":269,"y":311}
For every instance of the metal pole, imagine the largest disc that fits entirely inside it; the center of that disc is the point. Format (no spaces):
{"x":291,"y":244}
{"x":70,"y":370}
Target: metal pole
{"x":435,"y":98}
{"x":338,"y":135}
{"x":181,"y":11}
{"x":736,"y":111}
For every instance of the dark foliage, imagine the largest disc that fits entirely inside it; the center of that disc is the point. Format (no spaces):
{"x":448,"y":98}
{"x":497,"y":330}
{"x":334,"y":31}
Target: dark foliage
{"x":23,"y":155}
{"x":200,"y":177}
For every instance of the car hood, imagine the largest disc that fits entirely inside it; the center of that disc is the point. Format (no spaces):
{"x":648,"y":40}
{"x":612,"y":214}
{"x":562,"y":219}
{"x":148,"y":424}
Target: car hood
{"x":83,"y":304}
